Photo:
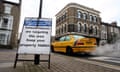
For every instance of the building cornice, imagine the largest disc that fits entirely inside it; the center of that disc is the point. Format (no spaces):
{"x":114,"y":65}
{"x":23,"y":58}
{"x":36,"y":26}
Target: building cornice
{"x":77,"y":6}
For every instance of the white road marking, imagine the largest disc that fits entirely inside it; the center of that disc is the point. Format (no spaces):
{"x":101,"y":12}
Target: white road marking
{"x":108,"y":59}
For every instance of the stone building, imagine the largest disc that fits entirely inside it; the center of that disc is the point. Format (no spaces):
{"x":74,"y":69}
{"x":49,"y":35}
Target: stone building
{"x":9,"y":23}
{"x":78,"y":19}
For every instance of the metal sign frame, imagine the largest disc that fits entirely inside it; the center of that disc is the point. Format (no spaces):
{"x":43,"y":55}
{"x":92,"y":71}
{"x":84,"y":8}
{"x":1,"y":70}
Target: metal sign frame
{"x":40,"y":23}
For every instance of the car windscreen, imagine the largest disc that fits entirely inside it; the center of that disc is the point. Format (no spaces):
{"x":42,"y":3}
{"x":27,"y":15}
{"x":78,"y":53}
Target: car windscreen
{"x":78,"y":37}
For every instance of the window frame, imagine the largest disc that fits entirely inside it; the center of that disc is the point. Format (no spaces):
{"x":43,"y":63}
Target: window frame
{"x":79,"y":14}
{"x":68,"y":37}
{"x":62,"y":38}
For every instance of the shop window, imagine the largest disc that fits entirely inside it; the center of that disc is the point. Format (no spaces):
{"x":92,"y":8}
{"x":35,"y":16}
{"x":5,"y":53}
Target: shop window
{"x":71,"y":28}
{"x":90,"y":30}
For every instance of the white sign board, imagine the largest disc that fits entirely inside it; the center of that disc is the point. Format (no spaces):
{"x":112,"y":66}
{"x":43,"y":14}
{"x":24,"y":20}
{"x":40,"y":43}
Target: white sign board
{"x":36,"y":36}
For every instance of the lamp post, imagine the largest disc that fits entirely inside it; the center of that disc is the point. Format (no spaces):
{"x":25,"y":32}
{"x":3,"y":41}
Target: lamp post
{"x":37,"y":56}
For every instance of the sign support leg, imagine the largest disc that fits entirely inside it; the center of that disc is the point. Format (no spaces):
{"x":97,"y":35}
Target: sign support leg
{"x":49,"y":61}
{"x":36,"y":59}
{"x":16,"y":59}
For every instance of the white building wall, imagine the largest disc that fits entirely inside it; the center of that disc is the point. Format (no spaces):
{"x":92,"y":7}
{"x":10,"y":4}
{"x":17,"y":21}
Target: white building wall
{"x":5,"y":40}
{"x":6,"y":23}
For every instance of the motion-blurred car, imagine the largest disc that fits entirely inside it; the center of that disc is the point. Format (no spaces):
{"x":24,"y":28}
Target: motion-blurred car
{"x":70,"y":44}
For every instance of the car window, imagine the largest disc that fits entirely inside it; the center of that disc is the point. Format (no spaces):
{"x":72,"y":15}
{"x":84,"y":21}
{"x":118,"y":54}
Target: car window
{"x":62,"y":39}
{"x":67,"y":38}
{"x":78,"y":37}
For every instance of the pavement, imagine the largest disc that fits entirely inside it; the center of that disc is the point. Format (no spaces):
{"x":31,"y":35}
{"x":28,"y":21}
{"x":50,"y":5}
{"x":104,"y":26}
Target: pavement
{"x":59,"y":63}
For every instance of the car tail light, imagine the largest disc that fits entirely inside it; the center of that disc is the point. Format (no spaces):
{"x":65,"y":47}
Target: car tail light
{"x":95,"y":44}
{"x":80,"y":43}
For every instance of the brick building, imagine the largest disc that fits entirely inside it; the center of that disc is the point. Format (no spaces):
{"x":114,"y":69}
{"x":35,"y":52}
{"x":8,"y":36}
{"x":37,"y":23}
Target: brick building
{"x":9,"y":23}
{"x":78,"y":19}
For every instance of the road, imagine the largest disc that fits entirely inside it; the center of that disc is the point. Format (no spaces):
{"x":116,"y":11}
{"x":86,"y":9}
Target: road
{"x":59,"y":63}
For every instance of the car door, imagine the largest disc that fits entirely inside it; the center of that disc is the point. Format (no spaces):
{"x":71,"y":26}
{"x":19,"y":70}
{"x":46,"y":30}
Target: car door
{"x":58,"y":45}
{"x":66,"y":42}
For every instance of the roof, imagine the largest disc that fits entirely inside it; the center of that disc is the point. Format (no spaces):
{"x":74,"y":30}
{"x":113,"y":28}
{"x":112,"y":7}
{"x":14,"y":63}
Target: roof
{"x":77,"y":5}
{"x":13,"y":3}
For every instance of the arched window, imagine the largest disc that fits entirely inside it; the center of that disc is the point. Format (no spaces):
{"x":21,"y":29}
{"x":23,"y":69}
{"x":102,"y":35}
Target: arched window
{"x":79,"y":14}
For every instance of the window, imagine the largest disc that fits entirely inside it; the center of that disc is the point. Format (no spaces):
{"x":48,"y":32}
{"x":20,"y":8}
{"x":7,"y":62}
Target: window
{"x":96,"y":30}
{"x":95,"y":19}
{"x":85,"y":28}
{"x":59,"y":31}
{"x":56,"y":31}
{"x":84,"y":16}
{"x":62,"y":39}
{"x":8,"y":8}
{"x":5,"y":22}
{"x":64,"y":16}
{"x":71,"y":28}
{"x":65,"y":28}
{"x":79,"y":27}
{"x":78,"y":37}
{"x":79,"y":14}
{"x":0,"y":19}
{"x":105,"y":36}
{"x":67,"y":38}
{"x":90,"y":30}
{"x":2,"y":38}
{"x":62,"y":28}
{"x":91,"y":17}
{"x":57,"y":21}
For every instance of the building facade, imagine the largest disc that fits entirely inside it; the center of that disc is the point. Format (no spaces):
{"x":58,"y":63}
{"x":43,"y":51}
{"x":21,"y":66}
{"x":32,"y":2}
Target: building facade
{"x":9,"y":23}
{"x":110,"y":32}
{"x":78,"y":19}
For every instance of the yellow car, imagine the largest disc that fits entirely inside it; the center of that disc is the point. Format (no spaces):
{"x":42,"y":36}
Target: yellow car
{"x":70,"y":44}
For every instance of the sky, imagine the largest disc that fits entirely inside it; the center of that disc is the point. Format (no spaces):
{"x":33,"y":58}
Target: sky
{"x":109,"y":9}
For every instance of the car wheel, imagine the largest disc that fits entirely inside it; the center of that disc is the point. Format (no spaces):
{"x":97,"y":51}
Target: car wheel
{"x":69,"y":51}
{"x":52,"y":49}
